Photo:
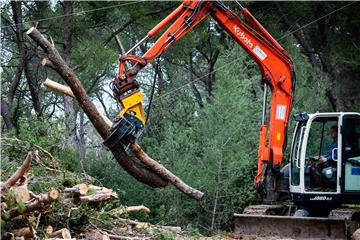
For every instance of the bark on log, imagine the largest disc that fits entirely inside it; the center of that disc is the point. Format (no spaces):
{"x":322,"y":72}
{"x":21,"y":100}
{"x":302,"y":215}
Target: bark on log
{"x":140,"y":154}
{"x":136,"y":170}
{"x":77,"y":190}
{"x":17,"y":175}
{"x":37,"y":203}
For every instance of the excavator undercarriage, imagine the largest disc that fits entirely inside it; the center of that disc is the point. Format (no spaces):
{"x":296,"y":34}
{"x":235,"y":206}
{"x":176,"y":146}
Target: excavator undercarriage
{"x":259,"y":221}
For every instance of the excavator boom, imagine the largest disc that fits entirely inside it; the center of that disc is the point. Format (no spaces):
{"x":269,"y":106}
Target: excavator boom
{"x":274,"y":64}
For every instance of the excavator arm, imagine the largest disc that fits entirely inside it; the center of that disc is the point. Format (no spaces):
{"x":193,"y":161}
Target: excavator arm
{"x":274,"y":63}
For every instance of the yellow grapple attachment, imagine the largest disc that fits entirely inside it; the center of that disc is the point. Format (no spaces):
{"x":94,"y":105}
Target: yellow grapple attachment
{"x":130,"y":121}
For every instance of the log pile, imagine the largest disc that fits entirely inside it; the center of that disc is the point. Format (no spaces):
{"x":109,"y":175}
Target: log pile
{"x":80,"y":194}
{"x":29,"y":215}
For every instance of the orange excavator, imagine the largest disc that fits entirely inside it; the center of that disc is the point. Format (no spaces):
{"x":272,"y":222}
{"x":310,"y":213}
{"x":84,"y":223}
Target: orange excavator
{"x":277,"y":74}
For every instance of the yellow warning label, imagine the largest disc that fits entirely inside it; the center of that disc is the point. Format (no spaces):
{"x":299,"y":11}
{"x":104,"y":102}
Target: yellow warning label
{"x":278,"y":136}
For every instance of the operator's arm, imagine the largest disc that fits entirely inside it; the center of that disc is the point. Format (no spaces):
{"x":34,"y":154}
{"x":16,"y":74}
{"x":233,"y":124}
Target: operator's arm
{"x":328,"y":156}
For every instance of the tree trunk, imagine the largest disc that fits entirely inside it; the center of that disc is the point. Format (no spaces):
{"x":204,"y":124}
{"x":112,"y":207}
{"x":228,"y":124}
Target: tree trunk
{"x":6,"y":114}
{"x":70,"y":113}
{"x":24,"y":61}
{"x":210,"y":80}
{"x":192,"y":84}
{"x":82,"y":144}
{"x":7,"y":107}
{"x":300,"y":37}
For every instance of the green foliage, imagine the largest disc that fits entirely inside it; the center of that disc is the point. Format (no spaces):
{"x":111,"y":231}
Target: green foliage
{"x":161,"y":235}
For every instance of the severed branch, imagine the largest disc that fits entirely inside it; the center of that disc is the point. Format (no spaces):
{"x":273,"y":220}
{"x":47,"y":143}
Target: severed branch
{"x":139,"y":153}
{"x":17,"y":175}
{"x":57,"y":87}
{"x":100,"y":195}
{"x":164,"y":173}
{"x":135,"y":169}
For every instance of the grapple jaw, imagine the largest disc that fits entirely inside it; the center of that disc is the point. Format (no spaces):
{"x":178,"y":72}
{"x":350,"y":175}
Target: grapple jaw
{"x":126,"y":130}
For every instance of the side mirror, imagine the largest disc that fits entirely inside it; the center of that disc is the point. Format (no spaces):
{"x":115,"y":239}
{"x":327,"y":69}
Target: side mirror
{"x":333,"y":154}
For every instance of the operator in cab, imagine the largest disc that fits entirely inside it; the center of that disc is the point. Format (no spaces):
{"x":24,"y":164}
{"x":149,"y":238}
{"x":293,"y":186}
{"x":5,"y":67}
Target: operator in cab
{"x":326,"y":162}
{"x":328,"y":157}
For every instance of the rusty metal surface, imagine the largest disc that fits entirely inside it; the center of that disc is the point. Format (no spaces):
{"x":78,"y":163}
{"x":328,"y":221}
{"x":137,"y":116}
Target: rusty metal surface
{"x":289,"y":227}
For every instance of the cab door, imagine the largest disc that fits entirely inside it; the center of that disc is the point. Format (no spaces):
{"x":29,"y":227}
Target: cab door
{"x":321,"y":140}
{"x":350,"y":130}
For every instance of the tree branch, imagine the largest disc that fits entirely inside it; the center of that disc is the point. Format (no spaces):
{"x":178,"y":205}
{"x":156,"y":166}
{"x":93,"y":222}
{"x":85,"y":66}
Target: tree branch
{"x":139,"y":172}
{"x":155,"y":174}
{"x":17,"y":175}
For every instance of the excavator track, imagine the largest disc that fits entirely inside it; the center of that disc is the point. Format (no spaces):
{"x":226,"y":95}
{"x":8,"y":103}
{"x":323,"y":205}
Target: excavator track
{"x":289,"y":227}
{"x":256,"y":222}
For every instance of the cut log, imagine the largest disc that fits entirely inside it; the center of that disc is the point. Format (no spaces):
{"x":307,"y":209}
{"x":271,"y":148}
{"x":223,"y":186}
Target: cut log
{"x":125,"y":210}
{"x":62,"y":233}
{"x":99,"y":196}
{"x":138,"y":171}
{"x":17,"y":175}
{"x":48,"y":229}
{"x":77,"y":190}
{"x":20,"y":193}
{"x":57,"y":87}
{"x":37,"y":203}
{"x":143,"y":157}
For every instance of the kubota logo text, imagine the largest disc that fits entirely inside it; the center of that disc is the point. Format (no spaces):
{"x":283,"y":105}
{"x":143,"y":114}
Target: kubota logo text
{"x":242,"y":36}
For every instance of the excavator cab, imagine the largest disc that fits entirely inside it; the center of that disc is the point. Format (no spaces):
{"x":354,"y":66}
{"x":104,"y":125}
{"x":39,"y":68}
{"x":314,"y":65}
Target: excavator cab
{"x":323,"y":198}
{"x":336,"y":181}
